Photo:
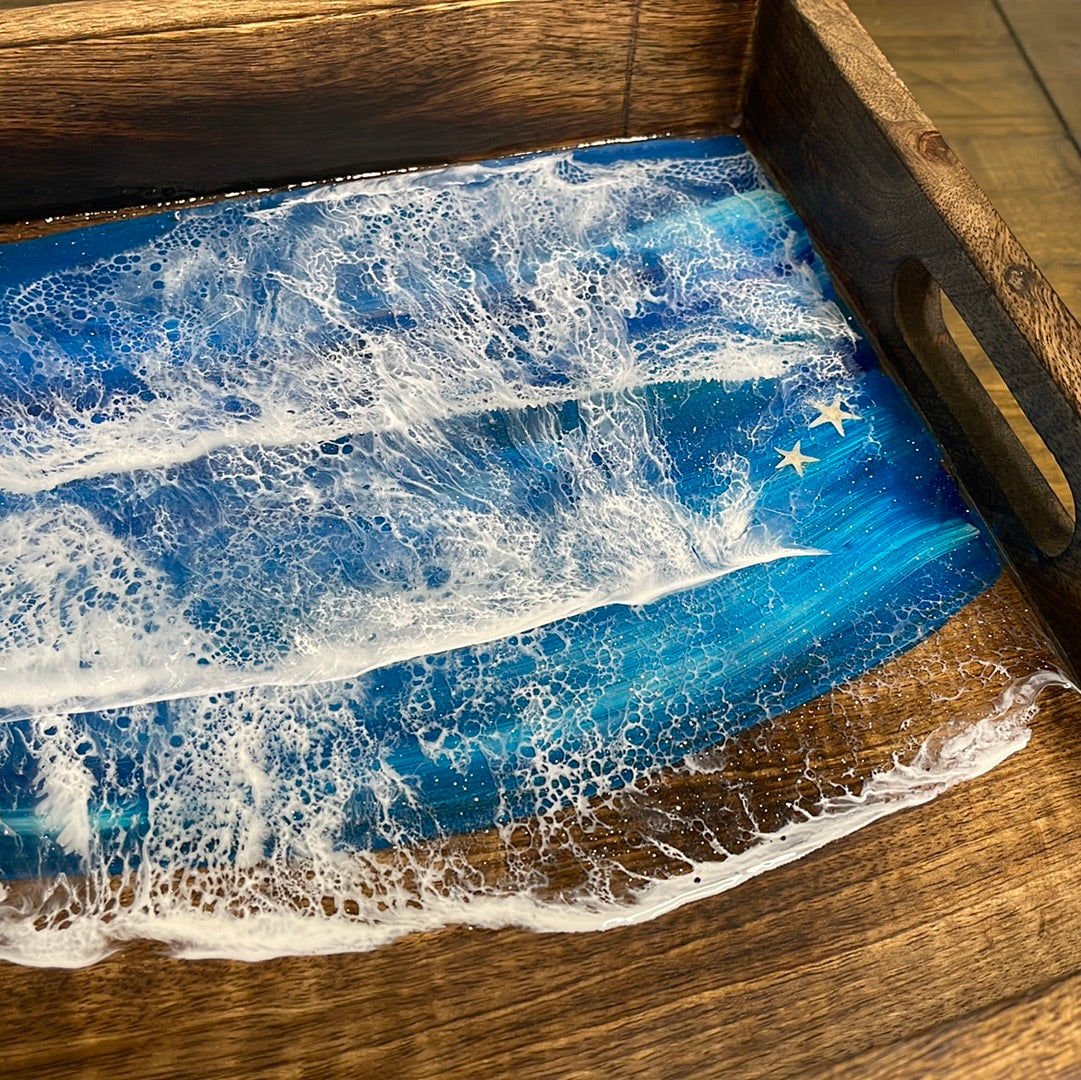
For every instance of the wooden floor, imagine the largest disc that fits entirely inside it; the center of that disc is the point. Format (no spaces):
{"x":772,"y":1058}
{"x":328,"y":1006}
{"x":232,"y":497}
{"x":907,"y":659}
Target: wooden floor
{"x":945,"y":941}
{"x":1002,"y":80}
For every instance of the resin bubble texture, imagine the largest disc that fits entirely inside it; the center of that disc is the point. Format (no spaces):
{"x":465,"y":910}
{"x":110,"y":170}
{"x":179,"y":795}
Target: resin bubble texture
{"x":352,"y":532}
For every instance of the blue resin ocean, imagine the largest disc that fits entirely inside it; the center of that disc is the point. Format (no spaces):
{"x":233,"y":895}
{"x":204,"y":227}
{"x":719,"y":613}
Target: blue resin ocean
{"x":346,"y":527}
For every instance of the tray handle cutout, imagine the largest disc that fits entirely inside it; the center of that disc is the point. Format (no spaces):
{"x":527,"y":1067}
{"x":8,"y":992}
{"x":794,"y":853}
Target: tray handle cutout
{"x":1034,"y":347}
{"x":1012,"y":447}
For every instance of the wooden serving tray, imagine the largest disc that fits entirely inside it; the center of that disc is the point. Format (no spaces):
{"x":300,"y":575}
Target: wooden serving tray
{"x":246,"y":96}
{"x":876,"y":938}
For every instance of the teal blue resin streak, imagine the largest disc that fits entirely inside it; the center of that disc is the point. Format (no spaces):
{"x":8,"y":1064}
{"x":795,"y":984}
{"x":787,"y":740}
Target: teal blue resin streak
{"x":833,"y":572}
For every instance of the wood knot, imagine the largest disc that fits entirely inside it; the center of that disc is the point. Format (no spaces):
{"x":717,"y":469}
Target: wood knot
{"x":933,"y":147}
{"x":1019,"y":279}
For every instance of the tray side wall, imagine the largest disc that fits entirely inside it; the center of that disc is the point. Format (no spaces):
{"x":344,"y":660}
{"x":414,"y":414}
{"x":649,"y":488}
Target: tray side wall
{"x":111,"y":104}
{"x":898,"y":218}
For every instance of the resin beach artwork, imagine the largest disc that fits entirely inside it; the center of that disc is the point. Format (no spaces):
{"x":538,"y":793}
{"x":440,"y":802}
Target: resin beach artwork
{"x":415,"y":551}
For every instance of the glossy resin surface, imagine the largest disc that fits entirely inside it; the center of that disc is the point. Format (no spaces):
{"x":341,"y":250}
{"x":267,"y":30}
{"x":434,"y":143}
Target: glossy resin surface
{"x":354,"y":531}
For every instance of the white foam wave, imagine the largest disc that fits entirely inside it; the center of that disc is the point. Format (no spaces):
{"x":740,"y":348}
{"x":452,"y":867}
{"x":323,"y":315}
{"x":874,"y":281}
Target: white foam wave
{"x":79,"y":606}
{"x":957,"y":752}
{"x":284,"y":325}
{"x":176,"y":410}
{"x":397,"y":561}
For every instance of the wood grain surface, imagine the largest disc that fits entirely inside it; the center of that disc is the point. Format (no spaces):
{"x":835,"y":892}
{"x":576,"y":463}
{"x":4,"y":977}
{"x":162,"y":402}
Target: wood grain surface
{"x":110,"y":104}
{"x":1048,"y":33}
{"x":942,"y":941}
{"x":688,"y":64}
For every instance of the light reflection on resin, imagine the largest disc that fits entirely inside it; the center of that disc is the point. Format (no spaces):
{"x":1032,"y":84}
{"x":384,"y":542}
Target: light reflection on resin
{"x":369,"y":552}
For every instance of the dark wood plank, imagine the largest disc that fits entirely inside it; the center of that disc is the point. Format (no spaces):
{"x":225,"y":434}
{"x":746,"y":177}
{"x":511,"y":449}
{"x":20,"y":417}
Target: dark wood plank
{"x":1037,"y":1034}
{"x":688,"y":64}
{"x":112,"y":104}
{"x":1049,"y":31}
{"x":196,"y":102}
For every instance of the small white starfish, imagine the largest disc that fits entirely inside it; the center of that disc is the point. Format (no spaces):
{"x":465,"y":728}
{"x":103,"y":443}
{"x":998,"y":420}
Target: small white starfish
{"x":794,"y":457}
{"x":832,"y":414}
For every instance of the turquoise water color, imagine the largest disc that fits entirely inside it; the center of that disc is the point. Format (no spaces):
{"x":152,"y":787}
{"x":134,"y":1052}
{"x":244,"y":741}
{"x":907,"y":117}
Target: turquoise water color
{"x":348,"y":517}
